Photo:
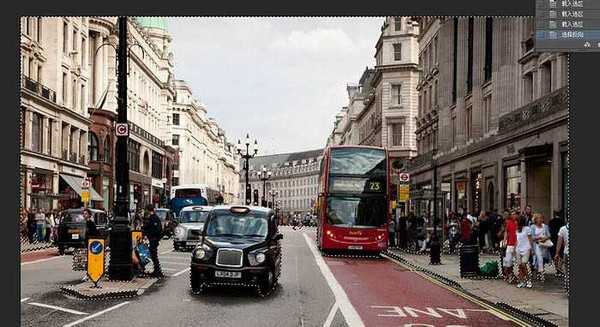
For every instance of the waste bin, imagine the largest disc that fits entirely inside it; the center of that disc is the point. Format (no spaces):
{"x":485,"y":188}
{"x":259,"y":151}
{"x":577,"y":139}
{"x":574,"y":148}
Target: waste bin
{"x":469,"y":260}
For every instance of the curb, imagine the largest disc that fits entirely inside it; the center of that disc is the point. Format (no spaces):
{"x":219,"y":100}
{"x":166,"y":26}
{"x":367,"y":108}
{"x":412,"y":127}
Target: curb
{"x":69,"y":290}
{"x":501,"y":306}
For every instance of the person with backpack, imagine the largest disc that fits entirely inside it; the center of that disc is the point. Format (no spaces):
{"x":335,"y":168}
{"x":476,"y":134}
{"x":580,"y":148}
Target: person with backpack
{"x":153,"y":231}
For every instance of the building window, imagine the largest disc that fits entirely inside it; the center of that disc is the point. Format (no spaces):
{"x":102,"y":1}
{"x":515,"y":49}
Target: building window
{"x":39,"y":73}
{"x":157,"y":165}
{"x":489,"y":32}
{"x":512,"y":185}
{"x":453,"y":130}
{"x":435,"y":92}
{"x":74,"y":40}
{"x":23,"y":127}
{"x":397,"y":23}
{"x":397,"y":51}
{"x":175,"y":140}
{"x":83,"y":48}
{"x":64,"y":89}
{"x":107,"y":148}
{"x":28,"y":26}
{"x":396,"y":94}
{"x":470,"y":56}
{"x":82,"y":99}
{"x":528,"y":87}
{"x":39,"y":29}
{"x":37,"y":132}
{"x":176,"y":119}
{"x":435,"y":51}
{"x":133,"y":155}
{"x":49,"y":138}
{"x":469,"y":122}
{"x":487,"y":113}
{"x":65,"y":37}
{"x":93,"y":146}
{"x":546,"y":71}
{"x":397,"y":134}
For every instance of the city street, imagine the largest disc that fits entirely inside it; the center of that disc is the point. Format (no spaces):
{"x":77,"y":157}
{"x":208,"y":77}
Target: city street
{"x":314,"y":291}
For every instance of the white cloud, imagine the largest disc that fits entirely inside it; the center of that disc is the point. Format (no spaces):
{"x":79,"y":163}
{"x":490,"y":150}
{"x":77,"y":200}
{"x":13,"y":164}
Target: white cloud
{"x":317,"y":41}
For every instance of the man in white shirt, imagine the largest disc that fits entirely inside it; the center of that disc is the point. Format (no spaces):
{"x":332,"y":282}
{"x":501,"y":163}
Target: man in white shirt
{"x":563,"y":239}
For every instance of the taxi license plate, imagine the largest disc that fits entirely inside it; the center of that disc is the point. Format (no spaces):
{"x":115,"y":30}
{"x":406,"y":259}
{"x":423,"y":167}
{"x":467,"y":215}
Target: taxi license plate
{"x":74,"y":236}
{"x":355,"y":247}
{"x":228,"y":274}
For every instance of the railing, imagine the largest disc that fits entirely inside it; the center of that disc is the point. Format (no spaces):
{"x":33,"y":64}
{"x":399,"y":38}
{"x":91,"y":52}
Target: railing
{"x":534,"y":111}
{"x":38,"y":88}
{"x":144,"y":134}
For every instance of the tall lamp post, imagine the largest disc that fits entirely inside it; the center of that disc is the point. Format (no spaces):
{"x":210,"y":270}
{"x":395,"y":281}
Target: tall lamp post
{"x":246,"y":156}
{"x":264,"y":175}
{"x":435,"y":253}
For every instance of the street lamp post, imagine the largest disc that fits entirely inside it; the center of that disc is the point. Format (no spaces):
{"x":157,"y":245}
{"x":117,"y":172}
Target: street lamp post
{"x":246,"y":156}
{"x":435,"y":246}
{"x":264,"y":175}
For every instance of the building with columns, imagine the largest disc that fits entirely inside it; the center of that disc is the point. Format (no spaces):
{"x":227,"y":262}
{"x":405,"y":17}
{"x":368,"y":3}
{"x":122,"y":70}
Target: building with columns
{"x":492,"y":116}
{"x":294,"y":177}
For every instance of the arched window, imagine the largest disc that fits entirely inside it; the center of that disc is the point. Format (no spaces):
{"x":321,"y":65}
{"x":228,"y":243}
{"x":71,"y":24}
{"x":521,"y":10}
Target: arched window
{"x":107,"y":148}
{"x":93,"y":146}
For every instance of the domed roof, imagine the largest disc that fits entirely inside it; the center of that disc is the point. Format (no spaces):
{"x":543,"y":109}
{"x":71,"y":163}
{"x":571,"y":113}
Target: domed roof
{"x":153,"y":22}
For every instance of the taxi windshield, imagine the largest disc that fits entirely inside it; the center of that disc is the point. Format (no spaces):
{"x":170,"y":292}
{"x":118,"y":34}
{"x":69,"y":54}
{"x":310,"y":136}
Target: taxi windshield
{"x":238,"y":225}
{"x":193,"y":216}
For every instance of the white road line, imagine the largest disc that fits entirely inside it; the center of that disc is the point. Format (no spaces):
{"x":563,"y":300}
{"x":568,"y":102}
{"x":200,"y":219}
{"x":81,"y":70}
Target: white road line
{"x":57,"y":308}
{"x":165,"y":252}
{"x":175,"y":263}
{"x":169,"y":269}
{"x":96,"y":314}
{"x":332,"y":312}
{"x":341,"y":298}
{"x":181,"y":272}
{"x":40,"y":260}
{"x":24,"y":299}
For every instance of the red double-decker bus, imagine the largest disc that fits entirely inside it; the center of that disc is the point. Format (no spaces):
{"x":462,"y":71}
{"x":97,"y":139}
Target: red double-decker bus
{"x":352,"y":207}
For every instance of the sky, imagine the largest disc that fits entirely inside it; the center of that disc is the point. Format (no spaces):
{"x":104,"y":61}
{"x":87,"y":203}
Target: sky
{"x":282,"y":80}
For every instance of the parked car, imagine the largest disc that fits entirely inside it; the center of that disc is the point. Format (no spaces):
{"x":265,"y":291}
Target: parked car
{"x":240,"y":246}
{"x":167,"y":220}
{"x":189,"y":226}
{"x":72,"y":228}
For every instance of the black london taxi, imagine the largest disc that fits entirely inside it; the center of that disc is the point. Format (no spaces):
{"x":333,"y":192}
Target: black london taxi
{"x":72,"y":228}
{"x":240,"y":246}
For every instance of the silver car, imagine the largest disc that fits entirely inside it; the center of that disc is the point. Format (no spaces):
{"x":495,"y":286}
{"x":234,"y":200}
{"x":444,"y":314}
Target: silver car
{"x":189,"y":227}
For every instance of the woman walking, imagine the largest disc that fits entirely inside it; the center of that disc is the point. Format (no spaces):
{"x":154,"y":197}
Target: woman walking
{"x":523,"y":253}
{"x":540,"y":235}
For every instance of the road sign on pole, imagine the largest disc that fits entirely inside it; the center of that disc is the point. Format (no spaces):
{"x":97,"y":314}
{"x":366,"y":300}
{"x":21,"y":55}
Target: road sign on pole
{"x":404,"y":192}
{"x":404,"y":177}
{"x":122,"y":129}
{"x":95,"y":260}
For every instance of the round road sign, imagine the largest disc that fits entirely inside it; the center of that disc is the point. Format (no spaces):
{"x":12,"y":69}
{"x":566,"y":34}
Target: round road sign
{"x":404,"y":177}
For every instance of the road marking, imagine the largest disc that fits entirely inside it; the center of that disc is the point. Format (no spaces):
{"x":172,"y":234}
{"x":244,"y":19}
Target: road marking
{"x":165,"y":252}
{"x":40,"y":260}
{"x":181,"y":272}
{"x":490,"y":309}
{"x":331,"y":314}
{"x":57,"y":308}
{"x":352,"y":317}
{"x":175,"y":263}
{"x":169,"y":269}
{"x":24,"y":299}
{"x":96,"y":314}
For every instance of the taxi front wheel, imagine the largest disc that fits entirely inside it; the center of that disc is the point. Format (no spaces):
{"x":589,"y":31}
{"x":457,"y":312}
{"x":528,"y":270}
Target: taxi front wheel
{"x":268,"y":282}
{"x":195,"y":283}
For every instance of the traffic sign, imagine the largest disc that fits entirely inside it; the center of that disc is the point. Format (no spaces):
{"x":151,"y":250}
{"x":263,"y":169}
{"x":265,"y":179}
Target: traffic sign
{"x":404,"y":177}
{"x":86,"y":183}
{"x":404,"y":192}
{"x":122,"y":129}
{"x":85,"y":196}
{"x":95,"y":259}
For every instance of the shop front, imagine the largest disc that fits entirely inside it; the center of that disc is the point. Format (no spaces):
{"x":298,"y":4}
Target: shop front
{"x":70,"y":187}
{"x":41,"y":183}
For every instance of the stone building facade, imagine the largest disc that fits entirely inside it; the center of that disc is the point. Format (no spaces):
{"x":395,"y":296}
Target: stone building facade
{"x":294,"y":177}
{"x":492,"y":118}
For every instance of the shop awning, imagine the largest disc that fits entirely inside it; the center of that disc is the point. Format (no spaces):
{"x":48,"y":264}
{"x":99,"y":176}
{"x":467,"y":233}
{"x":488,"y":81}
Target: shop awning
{"x":75,"y":183}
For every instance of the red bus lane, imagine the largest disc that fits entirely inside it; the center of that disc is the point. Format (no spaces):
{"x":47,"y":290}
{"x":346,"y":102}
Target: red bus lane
{"x":387,"y":294}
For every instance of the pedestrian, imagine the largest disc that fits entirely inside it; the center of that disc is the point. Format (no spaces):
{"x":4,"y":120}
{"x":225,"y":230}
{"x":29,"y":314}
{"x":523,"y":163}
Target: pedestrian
{"x":528,"y":213}
{"x":31,"y":227}
{"x":563,"y":244}
{"x":402,"y":231}
{"x":554,"y":226}
{"x":153,"y":231}
{"x":540,"y":236}
{"x":465,"y":230}
{"x":23,"y":222}
{"x":392,"y":233}
{"x":483,"y":224}
{"x":523,"y":250}
{"x":40,"y":222}
{"x":49,"y":223}
{"x":90,"y":225}
{"x":510,"y":242}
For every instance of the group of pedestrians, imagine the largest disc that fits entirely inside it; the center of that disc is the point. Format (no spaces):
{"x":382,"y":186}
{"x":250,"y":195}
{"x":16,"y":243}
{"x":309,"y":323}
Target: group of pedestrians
{"x":38,"y":225}
{"x":531,"y":244}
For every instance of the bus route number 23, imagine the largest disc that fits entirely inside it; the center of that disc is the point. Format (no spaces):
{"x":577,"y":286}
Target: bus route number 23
{"x":375,"y":186}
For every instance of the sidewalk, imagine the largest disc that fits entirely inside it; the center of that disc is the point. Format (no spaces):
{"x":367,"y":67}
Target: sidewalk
{"x":546,"y":300}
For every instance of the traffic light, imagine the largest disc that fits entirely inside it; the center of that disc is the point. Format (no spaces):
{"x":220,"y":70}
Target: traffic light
{"x":255,"y":197}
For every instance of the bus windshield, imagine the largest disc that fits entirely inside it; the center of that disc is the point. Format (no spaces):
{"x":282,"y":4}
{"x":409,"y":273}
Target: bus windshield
{"x":354,"y":211}
{"x":187,"y":193}
{"x":358,"y":161}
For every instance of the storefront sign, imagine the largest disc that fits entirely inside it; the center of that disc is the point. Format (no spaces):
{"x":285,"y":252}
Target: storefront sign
{"x":95,"y":259}
{"x":445,"y":187}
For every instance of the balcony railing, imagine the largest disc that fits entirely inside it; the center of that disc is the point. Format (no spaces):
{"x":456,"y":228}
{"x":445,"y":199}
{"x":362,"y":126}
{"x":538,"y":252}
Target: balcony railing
{"x":534,"y":111}
{"x":38,"y":88}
